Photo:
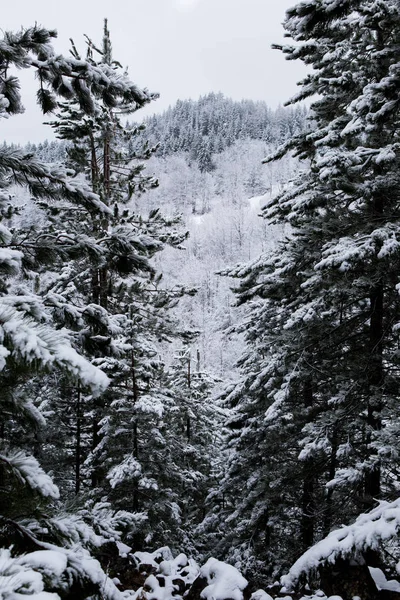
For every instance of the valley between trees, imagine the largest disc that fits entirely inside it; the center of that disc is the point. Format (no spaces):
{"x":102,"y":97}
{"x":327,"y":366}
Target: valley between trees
{"x":199,"y":327}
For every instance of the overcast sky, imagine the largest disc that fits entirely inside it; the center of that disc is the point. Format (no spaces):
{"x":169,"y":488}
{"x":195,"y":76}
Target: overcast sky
{"x":179,"y":48}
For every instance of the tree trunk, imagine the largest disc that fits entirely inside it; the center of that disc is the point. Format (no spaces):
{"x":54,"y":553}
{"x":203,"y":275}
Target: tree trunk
{"x":107,"y":166}
{"x":328,"y":517}
{"x":95,"y":287}
{"x":78,"y":443}
{"x":103,"y":287}
{"x":375,"y":379}
{"x":96,"y":476}
{"x":308,"y":500}
{"x":372,"y":484}
{"x":94,"y":167}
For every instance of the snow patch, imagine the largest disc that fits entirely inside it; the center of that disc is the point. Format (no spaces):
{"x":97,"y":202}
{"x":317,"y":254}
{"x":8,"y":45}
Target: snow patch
{"x":260,"y":595}
{"x":123,"y":549}
{"x":224,"y":581}
{"x":381,"y":582}
{"x":48,"y":561}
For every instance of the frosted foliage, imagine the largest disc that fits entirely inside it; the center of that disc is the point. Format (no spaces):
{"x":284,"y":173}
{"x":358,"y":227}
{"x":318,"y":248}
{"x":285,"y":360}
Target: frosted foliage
{"x":49,"y":562}
{"x":21,"y":577}
{"x":150,"y":405}
{"x":27,"y":469}
{"x":347,"y":252}
{"x":90,"y":568}
{"x":37,"y":343}
{"x":127,"y":470}
{"x":81,"y":368}
{"x":10,"y":260}
{"x":108,"y":523}
{"x":84,"y":567}
{"x":73,"y":529}
{"x":368,"y":531}
{"x":348,"y":476}
{"x":58,"y":565}
{"x":224,"y":581}
{"x":320,"y":364}
{"x":31,"y":334}
{"x":4,"y":103}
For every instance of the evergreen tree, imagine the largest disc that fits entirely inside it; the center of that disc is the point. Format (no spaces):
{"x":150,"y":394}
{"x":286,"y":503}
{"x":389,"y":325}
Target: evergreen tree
{"x":32,"y":517}
{"x":127,"y":448}
{"x":315,"y":415}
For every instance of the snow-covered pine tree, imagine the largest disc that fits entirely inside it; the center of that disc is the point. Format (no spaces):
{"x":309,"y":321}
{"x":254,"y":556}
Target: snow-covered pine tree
{"x":58,"y":545}
{"x":127,"y":447}
{"x":92,"y":289}
{"x":315,"y":416}
{"x":193,"y":437}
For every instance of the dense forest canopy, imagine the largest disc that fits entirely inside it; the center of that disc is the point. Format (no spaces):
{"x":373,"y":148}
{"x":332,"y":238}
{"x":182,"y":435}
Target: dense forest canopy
{"x":213,"y":123}
{"x":199,"y":327}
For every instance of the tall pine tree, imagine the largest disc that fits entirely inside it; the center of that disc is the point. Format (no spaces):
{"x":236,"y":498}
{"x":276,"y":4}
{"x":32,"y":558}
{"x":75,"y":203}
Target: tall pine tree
{"x":315,"y":421}
{"x":33,"y":519}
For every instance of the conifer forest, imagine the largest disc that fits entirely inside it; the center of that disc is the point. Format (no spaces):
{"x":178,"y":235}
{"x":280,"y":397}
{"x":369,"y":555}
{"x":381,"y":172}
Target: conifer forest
{"x":200,"y":326}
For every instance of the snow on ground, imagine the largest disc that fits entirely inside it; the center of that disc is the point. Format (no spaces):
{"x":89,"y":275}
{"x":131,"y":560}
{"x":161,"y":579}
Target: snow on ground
{"x":260,"y":595}
{"x":153,"y":558}
{"x":173,"y":576}
{"x":168,"y":571}
{"x":257,"y":202}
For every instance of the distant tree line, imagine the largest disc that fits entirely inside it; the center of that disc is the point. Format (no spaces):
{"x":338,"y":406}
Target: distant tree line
{"x":212,"y":123}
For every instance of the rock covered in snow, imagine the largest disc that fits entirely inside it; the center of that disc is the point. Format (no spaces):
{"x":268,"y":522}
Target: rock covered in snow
{"x":219,"y":581}
{"x":161,"y":576}
{"x":224,"y":581}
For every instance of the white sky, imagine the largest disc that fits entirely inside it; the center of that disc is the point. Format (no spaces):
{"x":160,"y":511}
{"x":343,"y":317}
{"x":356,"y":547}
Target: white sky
{"x":179,"y":48}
